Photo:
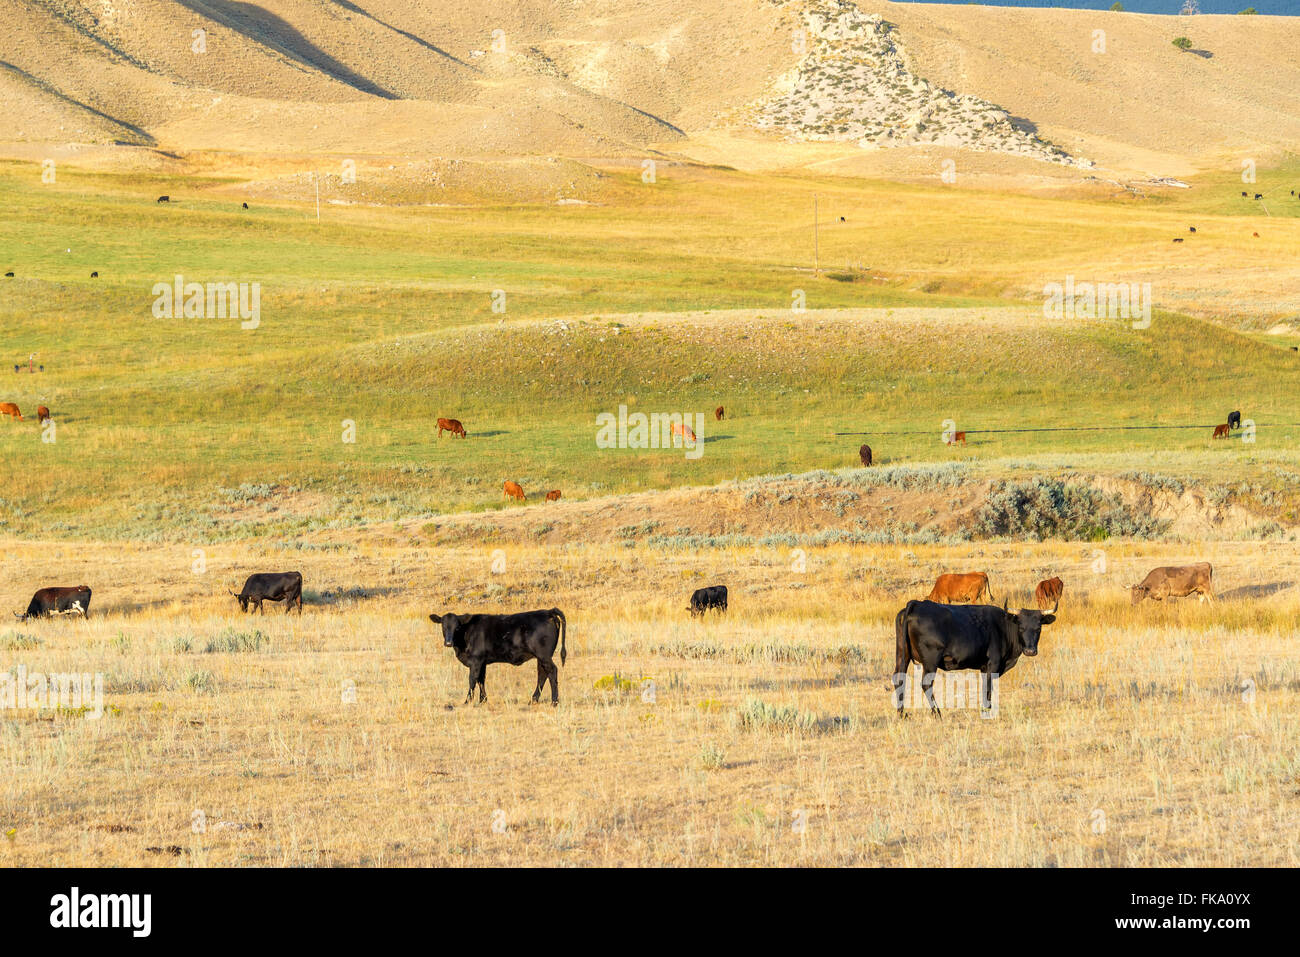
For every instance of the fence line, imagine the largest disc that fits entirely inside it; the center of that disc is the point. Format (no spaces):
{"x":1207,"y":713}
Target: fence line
{"x":1080,"y":428}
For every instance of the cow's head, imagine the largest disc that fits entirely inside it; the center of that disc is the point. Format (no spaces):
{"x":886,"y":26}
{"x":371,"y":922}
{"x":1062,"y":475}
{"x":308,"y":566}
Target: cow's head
{"x":1137,"y":593}
{"x":449,"y":624}
{"x":1029,"y":623}
{"x":242,"y":599}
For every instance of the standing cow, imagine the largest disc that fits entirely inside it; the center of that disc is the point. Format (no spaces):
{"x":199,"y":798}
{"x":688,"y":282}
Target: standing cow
{"x":482,"y":640}
{"x":553,"y":495}
{"x":11,"y":410}
{"x":702,"y":599}
{"x":1175,"y":581}
{"x":966,"y":587}
{"x":1234,"y":420}
{"x":58,"y":600}
{"x":719,"y":412}
{"x":271,"y":586}
{"x":42,"y":413}
{"x":514,"y":490}
{"x":451,"y":425}
{"x":864,"y":453}
{"x":957,"y":638}
{"x":1049,"y":592}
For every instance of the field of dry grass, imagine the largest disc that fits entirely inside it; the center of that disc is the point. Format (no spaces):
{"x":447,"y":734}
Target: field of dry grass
{"x":1156,"y":735}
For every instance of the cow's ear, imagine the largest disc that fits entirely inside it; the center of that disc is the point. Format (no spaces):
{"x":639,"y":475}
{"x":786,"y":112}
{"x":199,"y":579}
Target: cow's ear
{"x":1048,"y":619}
{"x":436,"y":618}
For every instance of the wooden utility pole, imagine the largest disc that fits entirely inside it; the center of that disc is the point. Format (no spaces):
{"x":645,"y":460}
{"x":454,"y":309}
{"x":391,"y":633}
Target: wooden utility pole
{"x":816,"y":241}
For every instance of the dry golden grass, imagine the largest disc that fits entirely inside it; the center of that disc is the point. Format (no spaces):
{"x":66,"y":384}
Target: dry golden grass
{"x":1134,"y":714}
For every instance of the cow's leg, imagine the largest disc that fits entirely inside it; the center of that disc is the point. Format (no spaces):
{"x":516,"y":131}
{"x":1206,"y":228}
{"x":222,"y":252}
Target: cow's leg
{"x":479,"y":677}
{"x":927,"y":685}
{"x":555,"y":686}
{"x":542,"y":674}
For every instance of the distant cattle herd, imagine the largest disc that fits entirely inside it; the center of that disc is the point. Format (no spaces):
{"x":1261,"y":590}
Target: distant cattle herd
{"x":948,"y":630}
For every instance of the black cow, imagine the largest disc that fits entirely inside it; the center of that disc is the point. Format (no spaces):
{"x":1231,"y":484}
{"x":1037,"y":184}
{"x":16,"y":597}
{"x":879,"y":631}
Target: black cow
{"x":1259,"y":195}
{"x":48,"y":602}
{"x":960,"y":637}
{"x":164,"y":199}
{"x":1234,"y":420}
{"x":482,"y":640}
{"x":271,"y":586}
{"x":702,"y":599}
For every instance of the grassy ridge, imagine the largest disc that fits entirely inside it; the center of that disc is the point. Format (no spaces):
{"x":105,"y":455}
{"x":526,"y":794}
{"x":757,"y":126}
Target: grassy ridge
{"x":384,"y":317}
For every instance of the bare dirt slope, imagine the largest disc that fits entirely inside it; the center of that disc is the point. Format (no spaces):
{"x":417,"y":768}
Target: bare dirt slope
{"x":728,"y":79}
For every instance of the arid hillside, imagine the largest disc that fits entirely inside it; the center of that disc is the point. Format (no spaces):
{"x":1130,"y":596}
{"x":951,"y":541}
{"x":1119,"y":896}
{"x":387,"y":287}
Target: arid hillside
{"x":745,"y":82}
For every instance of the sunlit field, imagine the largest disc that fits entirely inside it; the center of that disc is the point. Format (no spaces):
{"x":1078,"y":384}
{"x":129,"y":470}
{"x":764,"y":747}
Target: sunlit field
{"x":1158,"y":735}
{"x":185,"y":453}
{"x":680,"y":296}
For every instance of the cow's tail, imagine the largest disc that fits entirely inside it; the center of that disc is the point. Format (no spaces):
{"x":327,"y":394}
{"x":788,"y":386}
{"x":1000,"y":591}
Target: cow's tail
{"x":903,"y":653}
{"x":988,"y":590}
{"x":559,"y":617}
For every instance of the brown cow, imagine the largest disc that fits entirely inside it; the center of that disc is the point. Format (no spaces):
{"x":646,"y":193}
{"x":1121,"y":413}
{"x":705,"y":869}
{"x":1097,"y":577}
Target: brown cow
{"x":1175,"y":581}
{"x":451,"y":425}
{"x":684,"y":430}
{"x":514,"y":490}
{"x":957,"y":437}
{"x":864,"y":453}
{"x":553,"y":495}
{"x":968,"y":587}
{"x":11,"y":410}
{"x":719,"y":412}
{"x":1221,"y":431}
{"x":1049,"y":592}
{"x":42,"y":413}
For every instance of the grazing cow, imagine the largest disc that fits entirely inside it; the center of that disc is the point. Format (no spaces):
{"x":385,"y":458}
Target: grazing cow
{"x":514,"y":490}
{"x":1175,"y":581}
{"x":1049,"y":591}
{"x":553,"y":495}
{"x":702,"y":599}
{"x":965,"y":587}
{"x":11,"y":410}
{"x":94,"y":275}
{"x":864,"y":453}
{"x":719,"y":412}
{"x":1234,"y":420}
{"x":1256,"y":235}
{"x":1259,"y":195}
{"x":482,"y":640}
{"x":271,"y":586}
{"x":1178,"y":239}
{"x":48,"y":602}
{"x":245,"y":206}
{"x":956,"y":638}
{"x":684,"y":430}
{"x":164,"y":199}
{"x":451,"y":425}
{"x":1244,"y":196}
{"x":1221,"y":431}
{"x":957,"y":437}
{"x":42,"y":413}
{"x":1191,"y":229}
{"x":9,"y":275}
